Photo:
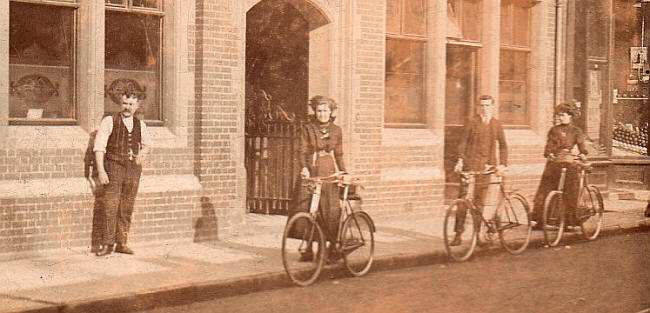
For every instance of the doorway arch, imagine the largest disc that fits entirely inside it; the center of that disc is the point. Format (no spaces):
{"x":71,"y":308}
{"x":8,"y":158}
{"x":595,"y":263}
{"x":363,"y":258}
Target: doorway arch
{"x":287,"y":62}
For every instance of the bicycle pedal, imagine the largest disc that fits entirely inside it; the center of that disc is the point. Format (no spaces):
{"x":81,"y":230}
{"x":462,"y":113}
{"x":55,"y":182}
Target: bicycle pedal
{"x":489,"y":236}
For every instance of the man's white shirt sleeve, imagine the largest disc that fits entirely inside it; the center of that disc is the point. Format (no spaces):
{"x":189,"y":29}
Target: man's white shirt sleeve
{"x":145,"y":140}
{"x":104,"y":131}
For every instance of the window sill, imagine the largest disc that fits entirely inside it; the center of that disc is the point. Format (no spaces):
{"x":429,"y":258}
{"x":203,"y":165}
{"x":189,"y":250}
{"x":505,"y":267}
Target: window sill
{"x":162,"y":137}
{"x":74,"y":186}
{"x":42,"y":121}
{"x":410,"y":137}
{"x":38,"y":137}
{"x":405,"y":125}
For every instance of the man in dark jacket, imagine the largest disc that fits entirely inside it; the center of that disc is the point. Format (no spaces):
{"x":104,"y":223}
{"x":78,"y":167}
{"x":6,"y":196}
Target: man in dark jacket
{"x":477,"y":151}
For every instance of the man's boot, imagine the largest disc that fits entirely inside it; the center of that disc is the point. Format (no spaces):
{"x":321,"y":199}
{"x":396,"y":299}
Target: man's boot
{"x":106,"y":250}
{"x":122,"y":248}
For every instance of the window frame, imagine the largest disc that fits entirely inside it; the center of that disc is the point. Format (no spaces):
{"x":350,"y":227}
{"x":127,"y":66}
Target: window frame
{"x":459,"y":14}
{"x":511,"y":46}
{"x":417,"y":38}
{"x":158,"y":12}
{"x":128,"y":6}
{"x":475,"y":50}
{"x":73,"y":68}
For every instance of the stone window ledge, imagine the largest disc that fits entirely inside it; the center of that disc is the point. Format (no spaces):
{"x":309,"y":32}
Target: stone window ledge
{"x":61,"y":187}
{"x":410,"y":137}
{"x":75,"y":137}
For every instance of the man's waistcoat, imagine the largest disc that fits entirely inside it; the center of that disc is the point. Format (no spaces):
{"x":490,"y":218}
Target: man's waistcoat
{"x":121,"y":141}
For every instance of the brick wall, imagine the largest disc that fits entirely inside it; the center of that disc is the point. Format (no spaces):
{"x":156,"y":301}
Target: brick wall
{"x":65,"y":221}
{"x":368,"y":73}
{"x":216,"y":61}
{"x":384,"y":196}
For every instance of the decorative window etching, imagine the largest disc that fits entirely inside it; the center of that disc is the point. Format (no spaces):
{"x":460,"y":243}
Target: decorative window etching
{"x":41,"y":72}
{"x":133,"y":50}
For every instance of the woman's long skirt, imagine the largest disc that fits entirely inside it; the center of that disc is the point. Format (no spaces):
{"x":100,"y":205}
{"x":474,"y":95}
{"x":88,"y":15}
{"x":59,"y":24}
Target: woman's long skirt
{"x":329,"y":204}
{"x":550,"y":181}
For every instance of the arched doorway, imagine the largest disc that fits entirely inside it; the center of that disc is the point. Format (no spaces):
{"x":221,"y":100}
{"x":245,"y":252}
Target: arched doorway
{"x":280,"y":65}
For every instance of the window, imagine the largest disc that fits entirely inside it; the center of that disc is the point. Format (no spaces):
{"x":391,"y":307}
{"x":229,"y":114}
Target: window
{"x":464,"y":19}
{"x":41,"y":62}
{"x":463,"y":43}
{"x":461,"y":81}
{"x":133,"y":43}
{"x":405,"y":63}
{"x":514,"y":62}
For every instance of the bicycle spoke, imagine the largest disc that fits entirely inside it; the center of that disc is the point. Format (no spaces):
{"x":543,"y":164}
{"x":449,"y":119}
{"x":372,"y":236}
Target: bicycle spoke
{"x":513,"y":224}
{"x":553,"y":219}
{"x":591,"y":220}
{"x":303,"y":249}
{"x":458,"y":217}
{"x":357,"y":243}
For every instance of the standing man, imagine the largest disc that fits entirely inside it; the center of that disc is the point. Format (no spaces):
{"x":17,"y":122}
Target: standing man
{"x":120,"y":148}
{"x":477,"y":151}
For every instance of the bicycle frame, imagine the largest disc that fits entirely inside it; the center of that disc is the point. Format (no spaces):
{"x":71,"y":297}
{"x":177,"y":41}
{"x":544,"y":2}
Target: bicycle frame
{"x":582,"y":181}
{"x":469,"y":179}
{"x":346,"y":208}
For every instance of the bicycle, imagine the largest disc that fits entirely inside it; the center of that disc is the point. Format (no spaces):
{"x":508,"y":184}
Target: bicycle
{"x":511,"y":219}
{"x":589,"y":209}
{"x":354,"y":241}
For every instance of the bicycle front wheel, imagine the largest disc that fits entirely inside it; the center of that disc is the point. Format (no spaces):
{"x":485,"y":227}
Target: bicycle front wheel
{"x":459,"y":220}
{"x":513,"y":224}
{"x":590,"y":212}
{"x":553,"y":218}
{"x":303,"y":249}
{"x":357,"y":243}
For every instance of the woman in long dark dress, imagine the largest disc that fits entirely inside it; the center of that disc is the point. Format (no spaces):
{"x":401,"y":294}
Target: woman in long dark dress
{"x":560,"y":141}
{"x":320,"y":153}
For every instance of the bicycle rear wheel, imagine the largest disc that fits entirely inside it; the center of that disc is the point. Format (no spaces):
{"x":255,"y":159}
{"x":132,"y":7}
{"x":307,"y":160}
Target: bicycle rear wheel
{"x":553,"y":218}
{"x":357,"y":243}
{"x":302,"y":236}
{"x":468,"y":237}
{"x":590,"y":212}
{"x":513,"y":224}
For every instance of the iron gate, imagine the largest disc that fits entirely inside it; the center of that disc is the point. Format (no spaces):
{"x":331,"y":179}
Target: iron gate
{"x":271,"y":159}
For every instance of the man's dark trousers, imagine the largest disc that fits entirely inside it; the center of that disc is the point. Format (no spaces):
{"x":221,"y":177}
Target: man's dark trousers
{"x":119,"y":198}
{"x":478,"y":198}
{"x":99,"y":215}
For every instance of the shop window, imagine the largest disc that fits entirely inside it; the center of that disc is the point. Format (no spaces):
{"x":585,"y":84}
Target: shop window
{"x":41,"y":62}
{"x":405,"y":67}
{"x":514,"y":62}
{"x":461,"y":78}
{"x":630,"y":122}
{"x":464,"y":19}
{"x":133,"y":41}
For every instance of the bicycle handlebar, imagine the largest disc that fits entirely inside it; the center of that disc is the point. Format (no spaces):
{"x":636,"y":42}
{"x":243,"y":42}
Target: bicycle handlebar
{"x":570,"y":159}
{"x":489,"y":171}
{"x":338,"y":177}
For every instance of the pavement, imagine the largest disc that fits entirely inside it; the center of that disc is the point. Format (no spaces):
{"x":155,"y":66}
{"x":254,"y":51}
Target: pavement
{"x":178,"y":272}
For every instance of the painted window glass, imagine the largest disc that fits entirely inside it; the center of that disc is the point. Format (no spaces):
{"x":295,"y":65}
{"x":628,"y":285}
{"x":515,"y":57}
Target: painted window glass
{"x":132,"y":60}
{"x":41,"y":67}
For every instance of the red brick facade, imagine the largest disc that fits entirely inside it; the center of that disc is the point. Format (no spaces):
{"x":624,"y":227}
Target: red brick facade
{"x":204,"y":149}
